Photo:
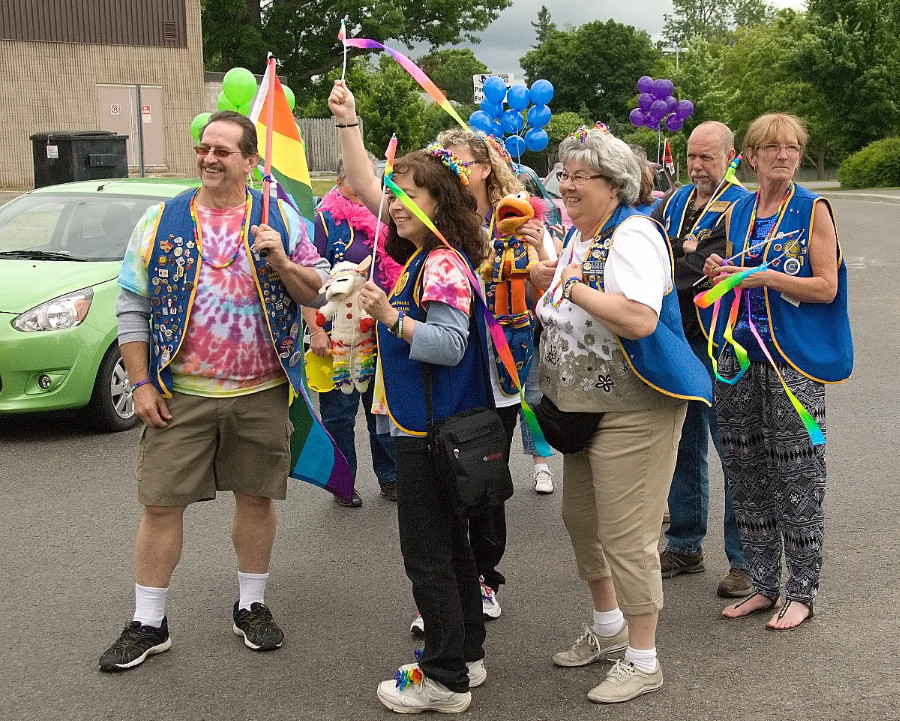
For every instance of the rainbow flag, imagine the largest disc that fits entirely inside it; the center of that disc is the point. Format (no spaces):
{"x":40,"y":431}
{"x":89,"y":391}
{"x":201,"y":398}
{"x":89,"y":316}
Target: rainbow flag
{"x":315,"y":457}
{"x":289,"y":168}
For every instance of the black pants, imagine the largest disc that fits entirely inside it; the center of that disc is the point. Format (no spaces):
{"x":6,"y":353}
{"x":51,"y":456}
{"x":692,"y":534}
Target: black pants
{"x":487,"y":531}
{"x":439,"y":563}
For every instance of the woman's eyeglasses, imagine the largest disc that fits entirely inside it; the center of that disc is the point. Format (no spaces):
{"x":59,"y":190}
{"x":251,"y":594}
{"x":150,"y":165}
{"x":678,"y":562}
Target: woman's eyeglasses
{"x":202,"y":150}
{"x":578,"y":179}
{"x":773,"y":148}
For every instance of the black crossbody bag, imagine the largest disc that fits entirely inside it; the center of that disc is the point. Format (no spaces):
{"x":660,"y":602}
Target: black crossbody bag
{"x":468,"y":451}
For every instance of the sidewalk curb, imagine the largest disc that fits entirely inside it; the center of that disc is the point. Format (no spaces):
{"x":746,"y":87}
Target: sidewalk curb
{"x":865,"y":197}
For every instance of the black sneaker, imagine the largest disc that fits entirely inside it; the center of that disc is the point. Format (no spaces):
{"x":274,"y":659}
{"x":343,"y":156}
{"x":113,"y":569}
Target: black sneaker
{"x":134,"y":645}
{"x":258,"y":628}
{"x":389,"y":491}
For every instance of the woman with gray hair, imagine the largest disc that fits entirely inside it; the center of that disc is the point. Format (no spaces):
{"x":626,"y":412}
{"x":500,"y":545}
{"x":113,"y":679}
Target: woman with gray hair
{"x":616,"y":373}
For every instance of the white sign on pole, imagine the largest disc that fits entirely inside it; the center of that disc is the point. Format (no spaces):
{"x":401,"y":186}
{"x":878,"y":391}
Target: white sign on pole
{"x":478,"y":81}
{"x":52,"y":151}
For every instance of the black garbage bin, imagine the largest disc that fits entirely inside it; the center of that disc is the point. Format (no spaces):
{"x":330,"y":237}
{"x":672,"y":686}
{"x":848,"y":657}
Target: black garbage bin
{"x":64,"y":156}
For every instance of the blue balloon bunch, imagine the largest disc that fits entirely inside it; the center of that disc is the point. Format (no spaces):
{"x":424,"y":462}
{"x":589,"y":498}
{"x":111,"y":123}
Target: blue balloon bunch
{"x":657,"y":108}
{"x":523,"y":130}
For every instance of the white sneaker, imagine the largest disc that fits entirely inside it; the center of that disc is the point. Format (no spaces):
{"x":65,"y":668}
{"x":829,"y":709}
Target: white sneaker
{"x":489,"y":603}
{"x":417,"y":627}
{"x":477,"y":672}
{"x":543,"y":481}
{"x":410,"y":691}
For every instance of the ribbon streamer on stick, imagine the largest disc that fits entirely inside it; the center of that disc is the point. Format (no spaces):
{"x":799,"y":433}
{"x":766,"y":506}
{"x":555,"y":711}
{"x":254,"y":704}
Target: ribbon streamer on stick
{"x":414,"y":70}
{"x":388,"y":169}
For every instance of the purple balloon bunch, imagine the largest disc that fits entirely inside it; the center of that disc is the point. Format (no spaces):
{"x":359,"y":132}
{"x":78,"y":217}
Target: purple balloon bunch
{"x":494,"y":120}
{"x":657,"y":108}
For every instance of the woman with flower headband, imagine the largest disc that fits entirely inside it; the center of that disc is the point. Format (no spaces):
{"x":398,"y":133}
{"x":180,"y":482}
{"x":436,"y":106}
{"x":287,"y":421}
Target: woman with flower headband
{"x":430,"y":321}
{"x":617,"y":372}
{"x":489,"y":178}
{"x":793,"y":323}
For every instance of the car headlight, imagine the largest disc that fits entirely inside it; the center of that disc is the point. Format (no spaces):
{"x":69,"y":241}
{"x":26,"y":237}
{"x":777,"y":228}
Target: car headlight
{"x":67,"y":311}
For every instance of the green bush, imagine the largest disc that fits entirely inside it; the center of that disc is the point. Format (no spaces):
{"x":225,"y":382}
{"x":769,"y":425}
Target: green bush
{"x":875,"y":166}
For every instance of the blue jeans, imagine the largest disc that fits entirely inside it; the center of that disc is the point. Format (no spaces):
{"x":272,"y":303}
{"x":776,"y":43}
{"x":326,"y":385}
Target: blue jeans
{"x":338,"y":411}
{"x":689,"y":493}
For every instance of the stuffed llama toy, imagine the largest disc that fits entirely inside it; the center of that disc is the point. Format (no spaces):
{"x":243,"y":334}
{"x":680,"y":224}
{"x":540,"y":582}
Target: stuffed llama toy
{"x":352,"y":339}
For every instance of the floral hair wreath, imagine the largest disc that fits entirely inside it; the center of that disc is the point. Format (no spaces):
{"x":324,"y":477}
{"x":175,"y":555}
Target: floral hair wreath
{"x":491,"y":142}
{"x":448,"y":158}
{"x":583,"y":131}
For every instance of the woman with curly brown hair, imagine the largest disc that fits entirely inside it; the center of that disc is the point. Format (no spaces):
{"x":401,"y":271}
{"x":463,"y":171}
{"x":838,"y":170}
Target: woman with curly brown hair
{"x":430,"y":322}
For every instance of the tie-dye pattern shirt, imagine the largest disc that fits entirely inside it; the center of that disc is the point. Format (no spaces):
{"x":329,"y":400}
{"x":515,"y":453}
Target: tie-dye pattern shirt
{"x":227,"y":349}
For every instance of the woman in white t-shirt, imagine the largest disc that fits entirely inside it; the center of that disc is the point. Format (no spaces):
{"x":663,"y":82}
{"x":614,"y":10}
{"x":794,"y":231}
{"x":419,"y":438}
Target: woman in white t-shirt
{"x":604,"y":316}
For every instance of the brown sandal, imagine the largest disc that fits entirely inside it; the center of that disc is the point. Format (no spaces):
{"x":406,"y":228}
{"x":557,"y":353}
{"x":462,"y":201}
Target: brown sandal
{"x":772,"y":602}
{"x":783,"y":610}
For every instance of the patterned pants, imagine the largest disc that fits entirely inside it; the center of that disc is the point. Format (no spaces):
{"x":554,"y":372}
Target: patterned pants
{"x":776,"y":475}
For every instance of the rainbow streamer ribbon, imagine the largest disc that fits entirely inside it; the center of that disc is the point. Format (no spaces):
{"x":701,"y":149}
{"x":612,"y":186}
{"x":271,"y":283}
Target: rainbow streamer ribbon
{"x":714,"y":296}
{"x":497,"y":335}
{"x":415,"y":71}
{"x":731,"y":173}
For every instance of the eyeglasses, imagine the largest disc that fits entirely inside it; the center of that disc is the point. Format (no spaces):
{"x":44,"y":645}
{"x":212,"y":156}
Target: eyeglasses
{"x":577,"y":179}
{"x":202,"y":151}
{"x":773,"y":148}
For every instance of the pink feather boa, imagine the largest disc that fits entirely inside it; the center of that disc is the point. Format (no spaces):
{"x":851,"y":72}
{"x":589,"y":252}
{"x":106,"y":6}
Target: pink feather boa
{"x":363,"y":222}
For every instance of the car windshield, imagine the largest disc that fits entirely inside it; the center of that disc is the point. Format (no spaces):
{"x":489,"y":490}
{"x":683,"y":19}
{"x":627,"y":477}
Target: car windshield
{"x":63,"y":226}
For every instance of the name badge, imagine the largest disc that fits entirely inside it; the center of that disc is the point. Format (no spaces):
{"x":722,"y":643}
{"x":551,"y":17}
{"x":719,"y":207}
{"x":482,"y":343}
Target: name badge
{"x":719,"y":206}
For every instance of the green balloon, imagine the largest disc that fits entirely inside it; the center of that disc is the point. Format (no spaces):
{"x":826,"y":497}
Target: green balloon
{"x":289,"y":94}
{"x":239,"y":86}
{"x":246,"y":108}
{"x":223,"y":103}
{"x":197,"y":124}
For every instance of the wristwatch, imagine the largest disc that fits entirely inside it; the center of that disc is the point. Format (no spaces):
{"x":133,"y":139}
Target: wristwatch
{"x":567,"y":288}
{"x":397,"y":328}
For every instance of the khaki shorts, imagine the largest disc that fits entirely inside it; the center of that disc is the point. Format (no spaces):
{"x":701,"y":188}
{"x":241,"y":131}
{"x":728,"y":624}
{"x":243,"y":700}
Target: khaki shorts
{"x":241,"y":444}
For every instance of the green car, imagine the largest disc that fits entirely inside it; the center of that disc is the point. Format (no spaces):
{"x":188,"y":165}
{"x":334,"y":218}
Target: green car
{"x":61,"y":248}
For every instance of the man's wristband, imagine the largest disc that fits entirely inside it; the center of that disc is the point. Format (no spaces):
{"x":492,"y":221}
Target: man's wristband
{"x":346,"y":125}
{"x":140,"y":383}
{"x":397,"y":328}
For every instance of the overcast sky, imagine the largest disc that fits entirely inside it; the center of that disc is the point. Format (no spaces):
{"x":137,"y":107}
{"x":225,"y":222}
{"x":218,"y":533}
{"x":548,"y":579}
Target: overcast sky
{"x":511,"y":35}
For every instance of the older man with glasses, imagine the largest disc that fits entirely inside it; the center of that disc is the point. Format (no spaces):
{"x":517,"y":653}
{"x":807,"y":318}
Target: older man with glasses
{"x":209,"y":327}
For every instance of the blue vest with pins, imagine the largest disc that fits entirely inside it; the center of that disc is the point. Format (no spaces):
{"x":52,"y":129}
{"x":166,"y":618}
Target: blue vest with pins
{"x":173,"y":269}
{"x":454,"y":388}
{"x":814,"y":338}
{"x":663,"y":360}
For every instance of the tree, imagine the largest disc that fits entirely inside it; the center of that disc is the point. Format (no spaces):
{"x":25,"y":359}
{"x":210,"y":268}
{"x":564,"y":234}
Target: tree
{"x":544,"y":25}
{"x":712,"y":19}
{"x":452,"y":72}
{"x":303,"y":34}
{"x":593,"y":68}
{"x":850,"y":54}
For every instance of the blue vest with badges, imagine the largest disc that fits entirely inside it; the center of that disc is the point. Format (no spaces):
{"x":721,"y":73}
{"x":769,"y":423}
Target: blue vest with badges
{"x":663,"y":360}
{"x":814,"y":338}
{"x":676,"y":207}
{"x":173,"y":269}
{"x":454,"y":388}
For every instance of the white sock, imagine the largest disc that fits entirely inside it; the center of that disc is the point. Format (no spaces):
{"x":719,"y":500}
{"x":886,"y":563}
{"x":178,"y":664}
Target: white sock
{"x":643,"y":659}
{"x":253,"y":588}
{"x":608,"y":623}
{"x":149,"y":605}
{"x":541,"y":467}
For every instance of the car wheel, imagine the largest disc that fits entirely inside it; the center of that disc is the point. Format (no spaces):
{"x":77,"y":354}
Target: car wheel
{"x":111,"y":408}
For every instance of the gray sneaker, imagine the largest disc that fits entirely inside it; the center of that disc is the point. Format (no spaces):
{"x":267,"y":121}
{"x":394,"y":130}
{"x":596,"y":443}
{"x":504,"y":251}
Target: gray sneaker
{"x":589,"y":647}
{"x":624,"y":682}
{"x":672,"y":564}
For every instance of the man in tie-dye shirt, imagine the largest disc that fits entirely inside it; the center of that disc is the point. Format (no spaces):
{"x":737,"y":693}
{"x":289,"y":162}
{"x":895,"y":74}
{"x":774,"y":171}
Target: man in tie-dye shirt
{"x":215,"y":399}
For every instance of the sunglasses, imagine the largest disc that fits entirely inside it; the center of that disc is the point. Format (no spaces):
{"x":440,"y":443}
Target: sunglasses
{"x":202,"y":151}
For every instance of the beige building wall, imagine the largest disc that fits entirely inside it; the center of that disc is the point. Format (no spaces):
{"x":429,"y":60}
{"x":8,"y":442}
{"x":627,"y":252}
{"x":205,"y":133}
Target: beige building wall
{"x":52,"y":86}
